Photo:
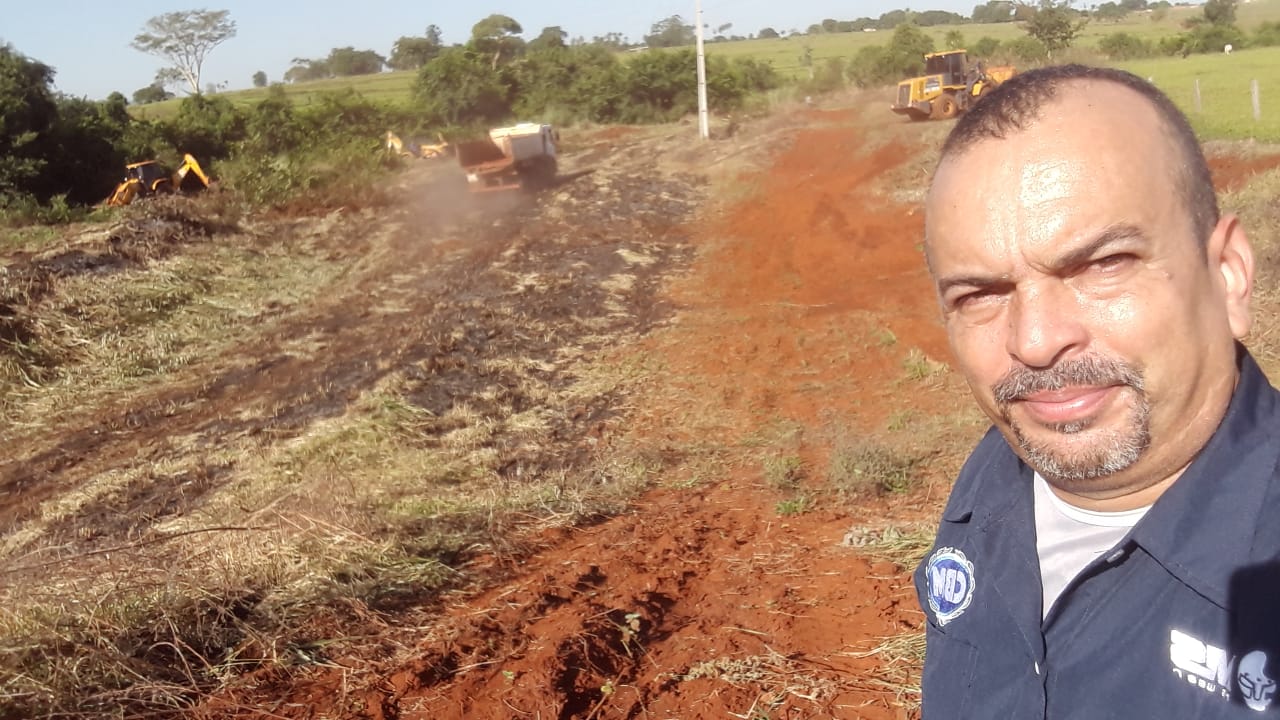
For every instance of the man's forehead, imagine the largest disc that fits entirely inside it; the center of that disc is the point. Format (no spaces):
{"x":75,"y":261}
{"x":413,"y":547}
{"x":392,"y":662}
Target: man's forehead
{"x":1078,"y":110}
{"x":1091,"y":127}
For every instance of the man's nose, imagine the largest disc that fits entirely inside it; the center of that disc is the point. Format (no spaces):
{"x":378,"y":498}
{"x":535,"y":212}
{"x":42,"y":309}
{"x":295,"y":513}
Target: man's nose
{"x":1045,"y":324}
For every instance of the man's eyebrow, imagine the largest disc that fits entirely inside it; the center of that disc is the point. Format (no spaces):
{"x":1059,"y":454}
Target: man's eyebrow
{"x":970,"y":281}
{"x":1111,"y":235}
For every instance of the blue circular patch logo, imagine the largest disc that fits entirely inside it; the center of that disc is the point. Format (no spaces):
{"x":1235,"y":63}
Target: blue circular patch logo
{"x":949,"y":575}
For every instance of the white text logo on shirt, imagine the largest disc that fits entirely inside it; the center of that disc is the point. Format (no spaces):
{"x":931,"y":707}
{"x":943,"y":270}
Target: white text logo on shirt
{"x":1212,"y":669}
{"x":1200,"y":664}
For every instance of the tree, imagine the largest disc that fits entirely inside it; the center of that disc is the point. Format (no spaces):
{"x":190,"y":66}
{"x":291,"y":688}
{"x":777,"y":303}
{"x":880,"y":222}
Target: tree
{"x":954,"y":40}
{"x":499,"y":36}
{"x":260,"y":79}
{"x":1220,"y":12}
{"x":185,"y":38}
{"x":892,"y":19}
{"x":348,"y":62}
{"x":1110,"y":11}
{"x":151,"y":93}
{"x":550,"y":37}
{"x":1055,"y":26}
{"x":613,"y":41}
{"x":907,"y":49}
{"x":995,"y":11}
{"x":929,"y":18}
{"x":305,"y":70}
{"x":168,"y":78}
{"x":461,"y":86}
{"x":27,"y":111}
{"x":768,"y":34}
{"x":411,"y":53}
{"x":670,"y":32}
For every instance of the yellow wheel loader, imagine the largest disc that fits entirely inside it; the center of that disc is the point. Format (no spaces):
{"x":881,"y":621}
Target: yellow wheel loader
{"x":951,"y":84}
{"x":149,"y":178}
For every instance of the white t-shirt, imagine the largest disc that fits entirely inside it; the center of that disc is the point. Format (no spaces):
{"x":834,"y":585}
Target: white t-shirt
{"x":1068,"y":538}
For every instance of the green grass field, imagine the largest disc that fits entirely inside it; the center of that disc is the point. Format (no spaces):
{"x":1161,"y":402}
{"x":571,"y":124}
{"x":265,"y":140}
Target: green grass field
{"x":392,"y":88}
{"x":1226,"y":107}
{"x":1224,"y":80}
{"x":785,"y":53}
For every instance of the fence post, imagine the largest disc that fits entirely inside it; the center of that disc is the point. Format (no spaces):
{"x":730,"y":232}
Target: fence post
{"x":1257,"y":100}
{"x":1199,"y":109}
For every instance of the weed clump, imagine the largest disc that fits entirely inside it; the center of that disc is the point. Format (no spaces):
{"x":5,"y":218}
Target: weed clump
{"x":860,"y":470}
{"x":783,"y":471}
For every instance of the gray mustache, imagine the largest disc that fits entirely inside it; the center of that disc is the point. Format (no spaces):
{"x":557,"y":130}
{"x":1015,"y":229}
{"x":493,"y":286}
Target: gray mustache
{"x":1090,"y":370}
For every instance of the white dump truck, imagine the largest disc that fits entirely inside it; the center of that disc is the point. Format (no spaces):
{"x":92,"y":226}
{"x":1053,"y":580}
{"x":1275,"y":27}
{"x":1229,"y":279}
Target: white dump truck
{"x":511,"y":158}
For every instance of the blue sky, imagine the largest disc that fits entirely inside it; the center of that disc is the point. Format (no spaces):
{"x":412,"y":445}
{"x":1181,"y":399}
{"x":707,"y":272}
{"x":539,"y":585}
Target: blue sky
{"x":87,"y":43}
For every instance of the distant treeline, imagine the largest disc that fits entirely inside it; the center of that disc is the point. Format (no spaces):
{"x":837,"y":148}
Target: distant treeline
{"x":57,"y":152}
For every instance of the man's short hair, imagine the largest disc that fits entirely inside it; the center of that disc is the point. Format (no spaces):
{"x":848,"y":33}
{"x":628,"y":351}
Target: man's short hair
{"x":1018,"y":102}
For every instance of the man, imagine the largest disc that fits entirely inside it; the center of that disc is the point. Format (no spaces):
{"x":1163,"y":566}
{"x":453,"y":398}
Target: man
{"x":1109,"y":550}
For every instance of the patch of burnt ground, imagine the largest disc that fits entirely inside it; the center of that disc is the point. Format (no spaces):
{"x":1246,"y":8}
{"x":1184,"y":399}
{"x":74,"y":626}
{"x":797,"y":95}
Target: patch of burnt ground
{"x":151,"y":231}
{"x":498,"y":326}
{"x":488,"y":332}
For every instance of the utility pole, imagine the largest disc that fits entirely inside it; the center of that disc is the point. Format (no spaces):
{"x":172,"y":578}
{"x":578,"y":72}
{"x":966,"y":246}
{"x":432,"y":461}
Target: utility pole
{"x":704,"y":128}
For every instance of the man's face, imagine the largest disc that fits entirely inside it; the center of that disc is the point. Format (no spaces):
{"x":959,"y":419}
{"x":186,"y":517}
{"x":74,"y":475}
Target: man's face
{"x":1094,"y":326}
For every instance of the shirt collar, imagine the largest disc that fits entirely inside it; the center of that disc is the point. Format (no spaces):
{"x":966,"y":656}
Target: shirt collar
{"x":1202,"y":528}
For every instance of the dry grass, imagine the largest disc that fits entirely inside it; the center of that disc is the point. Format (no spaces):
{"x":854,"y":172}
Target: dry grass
{"x":1258,"y":205}
{"x":351,"y":516}
{"x":904,"y":545}
{"x":900,"y":658}
{"x":866,"y":467}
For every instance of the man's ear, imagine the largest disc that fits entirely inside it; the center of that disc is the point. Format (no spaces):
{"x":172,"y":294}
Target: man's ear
{"x":1231,"y":258}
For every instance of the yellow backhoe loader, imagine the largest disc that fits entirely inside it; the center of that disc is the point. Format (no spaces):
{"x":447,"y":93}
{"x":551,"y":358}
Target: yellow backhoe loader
{"x":148,"y":178}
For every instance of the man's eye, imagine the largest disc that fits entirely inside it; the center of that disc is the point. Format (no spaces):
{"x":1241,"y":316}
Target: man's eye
{"x":1112,"y":262}
{"x":972,"y":298}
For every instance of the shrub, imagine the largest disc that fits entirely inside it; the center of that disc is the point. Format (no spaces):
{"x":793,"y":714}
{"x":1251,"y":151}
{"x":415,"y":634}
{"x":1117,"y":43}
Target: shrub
{"x":870,"y":67}
{"x":828,"y":77}
{"x":1204,"y":38}
{"x":1213,"y":38}
{"x":205,"y":126}
{"x":346,"y":113}
{"x":1267,"y":35}
{"x":339,"y":174}
{"x":1123,"y":46}
{"x":903,"y":57}
{"x":1025,"y":50}
{"x":985,"y":47}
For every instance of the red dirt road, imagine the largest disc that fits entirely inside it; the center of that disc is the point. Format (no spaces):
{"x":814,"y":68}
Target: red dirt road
{"x":705,"y":602}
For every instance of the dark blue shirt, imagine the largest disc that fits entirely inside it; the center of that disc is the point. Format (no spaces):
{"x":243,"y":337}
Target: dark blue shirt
{"x":1181,"y":619}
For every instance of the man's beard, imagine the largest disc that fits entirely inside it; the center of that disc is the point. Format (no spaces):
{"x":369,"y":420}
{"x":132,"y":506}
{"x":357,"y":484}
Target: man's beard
{"x":1112,"y":451}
